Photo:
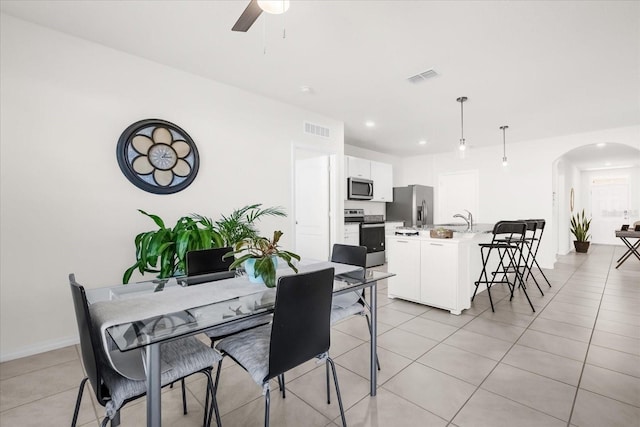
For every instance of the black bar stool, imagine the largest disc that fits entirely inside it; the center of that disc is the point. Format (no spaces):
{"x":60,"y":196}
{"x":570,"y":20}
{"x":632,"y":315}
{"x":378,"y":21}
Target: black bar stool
{"x":508,"y":245}
{"x":528,"y":242}
{"x":534,"y":245}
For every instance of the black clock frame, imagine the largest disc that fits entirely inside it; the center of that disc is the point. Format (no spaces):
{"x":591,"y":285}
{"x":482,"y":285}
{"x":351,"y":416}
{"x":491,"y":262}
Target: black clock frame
{"x":125,"y":163}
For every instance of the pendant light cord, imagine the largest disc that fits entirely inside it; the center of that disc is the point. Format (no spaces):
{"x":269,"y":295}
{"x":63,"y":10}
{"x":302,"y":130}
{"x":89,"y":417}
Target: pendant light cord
{"x":504,"y":142}
{"x":462,"y":120}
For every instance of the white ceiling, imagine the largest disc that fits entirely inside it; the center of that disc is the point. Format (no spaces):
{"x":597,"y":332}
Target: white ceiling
{"x":543,"y":68}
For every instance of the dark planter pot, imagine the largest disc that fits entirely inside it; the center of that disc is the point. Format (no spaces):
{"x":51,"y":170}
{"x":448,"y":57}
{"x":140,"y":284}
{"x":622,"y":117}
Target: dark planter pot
{"x":581,"y":247}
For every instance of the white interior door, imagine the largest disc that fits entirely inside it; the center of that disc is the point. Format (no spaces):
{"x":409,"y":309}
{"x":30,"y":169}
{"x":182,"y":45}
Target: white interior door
{"x":312,"y":205}
{"x":609,"y":209}
{"x":457,"y":192}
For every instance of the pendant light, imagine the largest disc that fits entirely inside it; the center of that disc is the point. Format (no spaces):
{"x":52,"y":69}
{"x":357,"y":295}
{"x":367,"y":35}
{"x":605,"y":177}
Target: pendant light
{"x":463,"y":145}
{"x":504,"y":145}
{"x":275,"y":7}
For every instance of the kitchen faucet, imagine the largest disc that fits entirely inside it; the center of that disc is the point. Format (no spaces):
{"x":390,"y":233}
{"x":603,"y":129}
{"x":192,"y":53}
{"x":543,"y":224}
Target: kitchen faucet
{"x":468,"y":220}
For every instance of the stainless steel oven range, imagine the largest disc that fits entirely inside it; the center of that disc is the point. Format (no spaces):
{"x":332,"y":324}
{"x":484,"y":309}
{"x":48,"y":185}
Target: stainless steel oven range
{"x":371,"y":234}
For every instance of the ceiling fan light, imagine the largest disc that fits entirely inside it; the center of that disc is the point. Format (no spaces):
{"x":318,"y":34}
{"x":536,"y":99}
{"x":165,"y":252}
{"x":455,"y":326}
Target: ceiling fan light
{"x":274,"y":6}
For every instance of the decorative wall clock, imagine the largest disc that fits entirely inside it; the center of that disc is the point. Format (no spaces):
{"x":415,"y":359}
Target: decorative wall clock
{"x":158,"y":156}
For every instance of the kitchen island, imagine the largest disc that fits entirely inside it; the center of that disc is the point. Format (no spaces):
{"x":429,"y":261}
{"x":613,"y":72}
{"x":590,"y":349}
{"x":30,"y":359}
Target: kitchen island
{"x":434,"y":271}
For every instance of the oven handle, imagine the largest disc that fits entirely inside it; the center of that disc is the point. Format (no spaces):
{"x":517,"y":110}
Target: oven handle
{"x":373,"y":225}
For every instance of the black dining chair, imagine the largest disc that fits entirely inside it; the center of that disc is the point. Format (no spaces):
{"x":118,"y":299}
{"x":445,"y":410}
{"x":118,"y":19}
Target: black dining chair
{"x":356,"y":256}
{"x":206,"y":264}
{"x":300,"y":332}
{"x":182,"y":358}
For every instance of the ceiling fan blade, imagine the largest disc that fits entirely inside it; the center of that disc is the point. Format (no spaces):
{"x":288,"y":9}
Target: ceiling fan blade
{"x":248,"y":17}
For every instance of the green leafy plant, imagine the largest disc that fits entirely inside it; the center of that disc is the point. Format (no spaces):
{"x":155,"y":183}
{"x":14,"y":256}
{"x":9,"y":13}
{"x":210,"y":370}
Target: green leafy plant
{"x":240,"y":224}
{"x":262,"y":249}
{"x":163,"y":251}
{"x":580,"y":226}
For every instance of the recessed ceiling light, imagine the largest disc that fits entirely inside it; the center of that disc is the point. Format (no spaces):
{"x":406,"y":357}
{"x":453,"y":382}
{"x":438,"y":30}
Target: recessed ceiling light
{"x":369,"y":123}
{"x":607,"y":163}
{"x":306,"y":89}
{"x":422,"y":142}
{"x":601,"y":144}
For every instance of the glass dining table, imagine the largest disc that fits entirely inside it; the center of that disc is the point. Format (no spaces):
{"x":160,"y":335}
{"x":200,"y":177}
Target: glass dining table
{"x":146,"y":314}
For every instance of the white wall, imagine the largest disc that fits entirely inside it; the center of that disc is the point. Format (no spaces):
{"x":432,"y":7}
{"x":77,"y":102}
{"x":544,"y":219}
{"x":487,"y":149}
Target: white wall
{"x":568,"y":177}
{"x":524,"y":189}
{"x":65,"y":205}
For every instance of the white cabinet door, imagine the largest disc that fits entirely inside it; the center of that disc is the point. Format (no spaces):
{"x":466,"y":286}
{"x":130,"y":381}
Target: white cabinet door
{"x":352,"y":234}
{"x":439,"y":276}
{"x":360,"y":168}
{"x":404,"y":261}
{"x":382,"y":177}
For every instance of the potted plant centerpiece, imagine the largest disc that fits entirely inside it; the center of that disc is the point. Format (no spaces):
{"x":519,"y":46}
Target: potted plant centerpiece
{"x":260,"y":258}
{"x":580,"y":229}
{"x":163,"y":251}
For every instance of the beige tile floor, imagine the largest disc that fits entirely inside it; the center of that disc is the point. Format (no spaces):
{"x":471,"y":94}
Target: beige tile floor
{"x":574,"y":362}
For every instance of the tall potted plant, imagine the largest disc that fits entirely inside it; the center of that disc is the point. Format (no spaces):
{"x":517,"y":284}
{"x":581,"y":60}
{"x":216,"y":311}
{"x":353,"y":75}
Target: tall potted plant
{"x":240,"y":224}
{"x":260,"y":258}
{"x":580,"y":229}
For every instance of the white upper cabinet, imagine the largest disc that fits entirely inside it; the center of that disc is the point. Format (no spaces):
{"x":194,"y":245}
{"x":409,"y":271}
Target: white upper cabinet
{"x":359,"y":168}
{"x":380,"y":173}
{"x":382,"y":177}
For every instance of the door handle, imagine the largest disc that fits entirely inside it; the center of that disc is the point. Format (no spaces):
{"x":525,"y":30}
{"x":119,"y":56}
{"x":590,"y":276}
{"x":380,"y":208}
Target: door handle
{"x":372,"y":225}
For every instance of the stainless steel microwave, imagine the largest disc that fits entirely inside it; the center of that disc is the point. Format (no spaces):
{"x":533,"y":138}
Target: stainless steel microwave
{"x":359,"y":189}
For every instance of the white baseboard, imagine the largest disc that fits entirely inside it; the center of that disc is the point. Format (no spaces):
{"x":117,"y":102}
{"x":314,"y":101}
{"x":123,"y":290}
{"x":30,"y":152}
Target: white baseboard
{"x":39,"y":348}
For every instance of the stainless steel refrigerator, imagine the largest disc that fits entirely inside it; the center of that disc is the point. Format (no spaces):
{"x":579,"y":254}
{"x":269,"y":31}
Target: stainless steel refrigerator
{"x":412,"y":204}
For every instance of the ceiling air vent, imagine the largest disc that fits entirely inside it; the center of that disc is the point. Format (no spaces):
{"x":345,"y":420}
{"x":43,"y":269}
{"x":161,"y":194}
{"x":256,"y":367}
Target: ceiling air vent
{"x":419,"y":78}
{"x":317,"y":130}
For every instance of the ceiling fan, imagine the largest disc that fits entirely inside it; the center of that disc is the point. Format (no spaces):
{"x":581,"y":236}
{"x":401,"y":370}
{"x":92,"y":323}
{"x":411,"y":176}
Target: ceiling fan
{"x":255,"y":8}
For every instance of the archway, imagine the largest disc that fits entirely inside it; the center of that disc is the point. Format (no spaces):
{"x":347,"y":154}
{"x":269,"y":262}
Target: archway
{"x":604,"y":180}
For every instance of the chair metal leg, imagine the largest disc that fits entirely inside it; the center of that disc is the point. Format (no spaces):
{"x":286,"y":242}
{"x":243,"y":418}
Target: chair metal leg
{"x":541,"y":272}
{"x":213,"y":409}
{"x":266,"y":408}
{"x":335,"y":380}
{"x":284,"y":388}
{"x":184,"y":398}
{"x":328,"y":388}
{"x":218,"y":374}
{"x":104,"y":422}
{"x":207,"y":412}
{"x":524,"y":288}
{"x":79,"y":400}
{"x":115,"y":421}
{"x":483,"y":273}
{"x":490,"y":299}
